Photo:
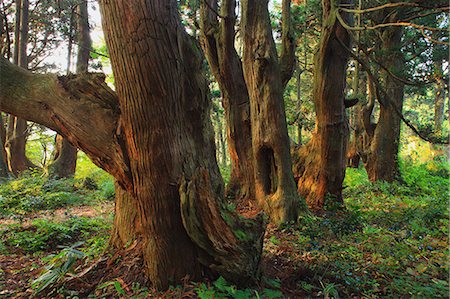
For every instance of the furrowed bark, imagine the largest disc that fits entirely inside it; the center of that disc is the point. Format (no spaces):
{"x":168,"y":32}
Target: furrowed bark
{"x":320,"y":166}
{"x":217,"y":41}
{"x":274,"y":183}
{"x":169,"y":139}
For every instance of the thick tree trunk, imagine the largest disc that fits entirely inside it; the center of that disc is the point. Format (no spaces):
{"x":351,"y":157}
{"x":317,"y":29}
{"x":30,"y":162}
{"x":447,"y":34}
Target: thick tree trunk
{"x":217,"y":40}
{"x":65,"y":158}
{"x":320,"y":167}
{"x":170,"y":148}
{"x":156,"y":139}
{"x":274,"y":182}
{"x":382,"y":163}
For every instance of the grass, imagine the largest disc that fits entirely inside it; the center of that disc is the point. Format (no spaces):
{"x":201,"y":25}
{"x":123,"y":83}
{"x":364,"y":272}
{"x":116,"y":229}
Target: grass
{"x":391,"y":241}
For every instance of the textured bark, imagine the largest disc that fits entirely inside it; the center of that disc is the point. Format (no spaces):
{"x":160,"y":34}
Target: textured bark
{"x":81,"y":108}
{"x":320,"y":165}
{"x":217,"y":41}
{"x":274,"y":182}
{"x":155,"y":138}
{"x":169,"y":141}
{"x":382,"y":163}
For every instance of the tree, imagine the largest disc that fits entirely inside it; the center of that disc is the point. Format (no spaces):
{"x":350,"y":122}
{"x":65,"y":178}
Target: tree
{"x":388,"y":49}
{"x":253,"y":97}
{"x":320,"y":165}
{"x":218,"y":43}
{"x":155,"y":138}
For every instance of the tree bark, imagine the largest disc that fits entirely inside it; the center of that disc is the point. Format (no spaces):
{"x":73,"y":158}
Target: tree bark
{"x":320,"y":166}
{"x":274,"y":182}
{"x":155,"y":138}
{"x":218,"y":43}
{"x":170,"y":148}
{"x":382,"y":163}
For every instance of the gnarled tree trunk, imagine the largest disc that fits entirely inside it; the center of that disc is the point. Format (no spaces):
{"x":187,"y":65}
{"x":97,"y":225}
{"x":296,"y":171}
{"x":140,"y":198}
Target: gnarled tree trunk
{"x":217,"y":40}
{"x":155,"y":138}
{"x":320,"y":165}
{"x":382,"y":163}
{"x":439,"y":98}
{"x":274,"y":181}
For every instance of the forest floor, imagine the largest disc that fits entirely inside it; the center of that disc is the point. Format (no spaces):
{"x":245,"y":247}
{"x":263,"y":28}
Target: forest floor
{"x":391,"y":241}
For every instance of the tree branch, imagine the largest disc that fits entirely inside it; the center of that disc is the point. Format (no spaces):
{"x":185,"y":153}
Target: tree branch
{"x":81,"y":108}
{"x":384,"y":100}
{"x":287,"y":57}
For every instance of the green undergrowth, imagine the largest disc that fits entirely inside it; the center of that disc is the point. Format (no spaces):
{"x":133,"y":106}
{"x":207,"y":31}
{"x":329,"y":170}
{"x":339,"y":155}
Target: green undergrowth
{"x":44,"y":235}
{"x":391,"y":242}
{"x":34,"y":191}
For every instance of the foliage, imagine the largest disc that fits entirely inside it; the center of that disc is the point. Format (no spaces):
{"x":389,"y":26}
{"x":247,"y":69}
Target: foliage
{"x":45,"y":235}
{"x":391,"y":242}
{"x":33,"y":192}
{"x":58,"y":266}
{"x":221,"y":289}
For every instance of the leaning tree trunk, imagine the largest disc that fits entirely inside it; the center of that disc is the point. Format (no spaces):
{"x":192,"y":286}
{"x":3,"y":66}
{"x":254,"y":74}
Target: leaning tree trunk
{"x":382,"y":163}
{"x":320,"y":167}
{"x":65,"y":158}
{"x":169,"y":146}
{"x":218,"y":43}
{"x":274,"y":181}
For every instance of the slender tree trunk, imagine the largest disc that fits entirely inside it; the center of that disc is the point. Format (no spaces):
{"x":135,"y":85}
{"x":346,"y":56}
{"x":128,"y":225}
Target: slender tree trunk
{"x":439,"y":99}
{"x":320,"y":167}
{"x":65,"y":158}
{"x":4,"y":172}
{"x":382,"y":163}
{"x":169,"y":140}
{"x":17,"y":139}
{"x":217,"y":40}
{"x":274,"y":182}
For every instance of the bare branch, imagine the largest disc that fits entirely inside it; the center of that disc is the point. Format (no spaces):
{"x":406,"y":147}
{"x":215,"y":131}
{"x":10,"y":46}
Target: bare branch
{"x":383,"y":99}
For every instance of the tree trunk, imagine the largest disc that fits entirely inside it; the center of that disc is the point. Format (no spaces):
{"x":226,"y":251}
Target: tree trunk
{"x":320,"y":168}
{"x":274,"y":182}
{"x":17,"y":137}
{"x":170,"y":148}
{"x":439,"y":99}
{"x":4,"y":171}
{"x":65,"y":158}
{"x":217,"y":40}
{"x":382,"y":163}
